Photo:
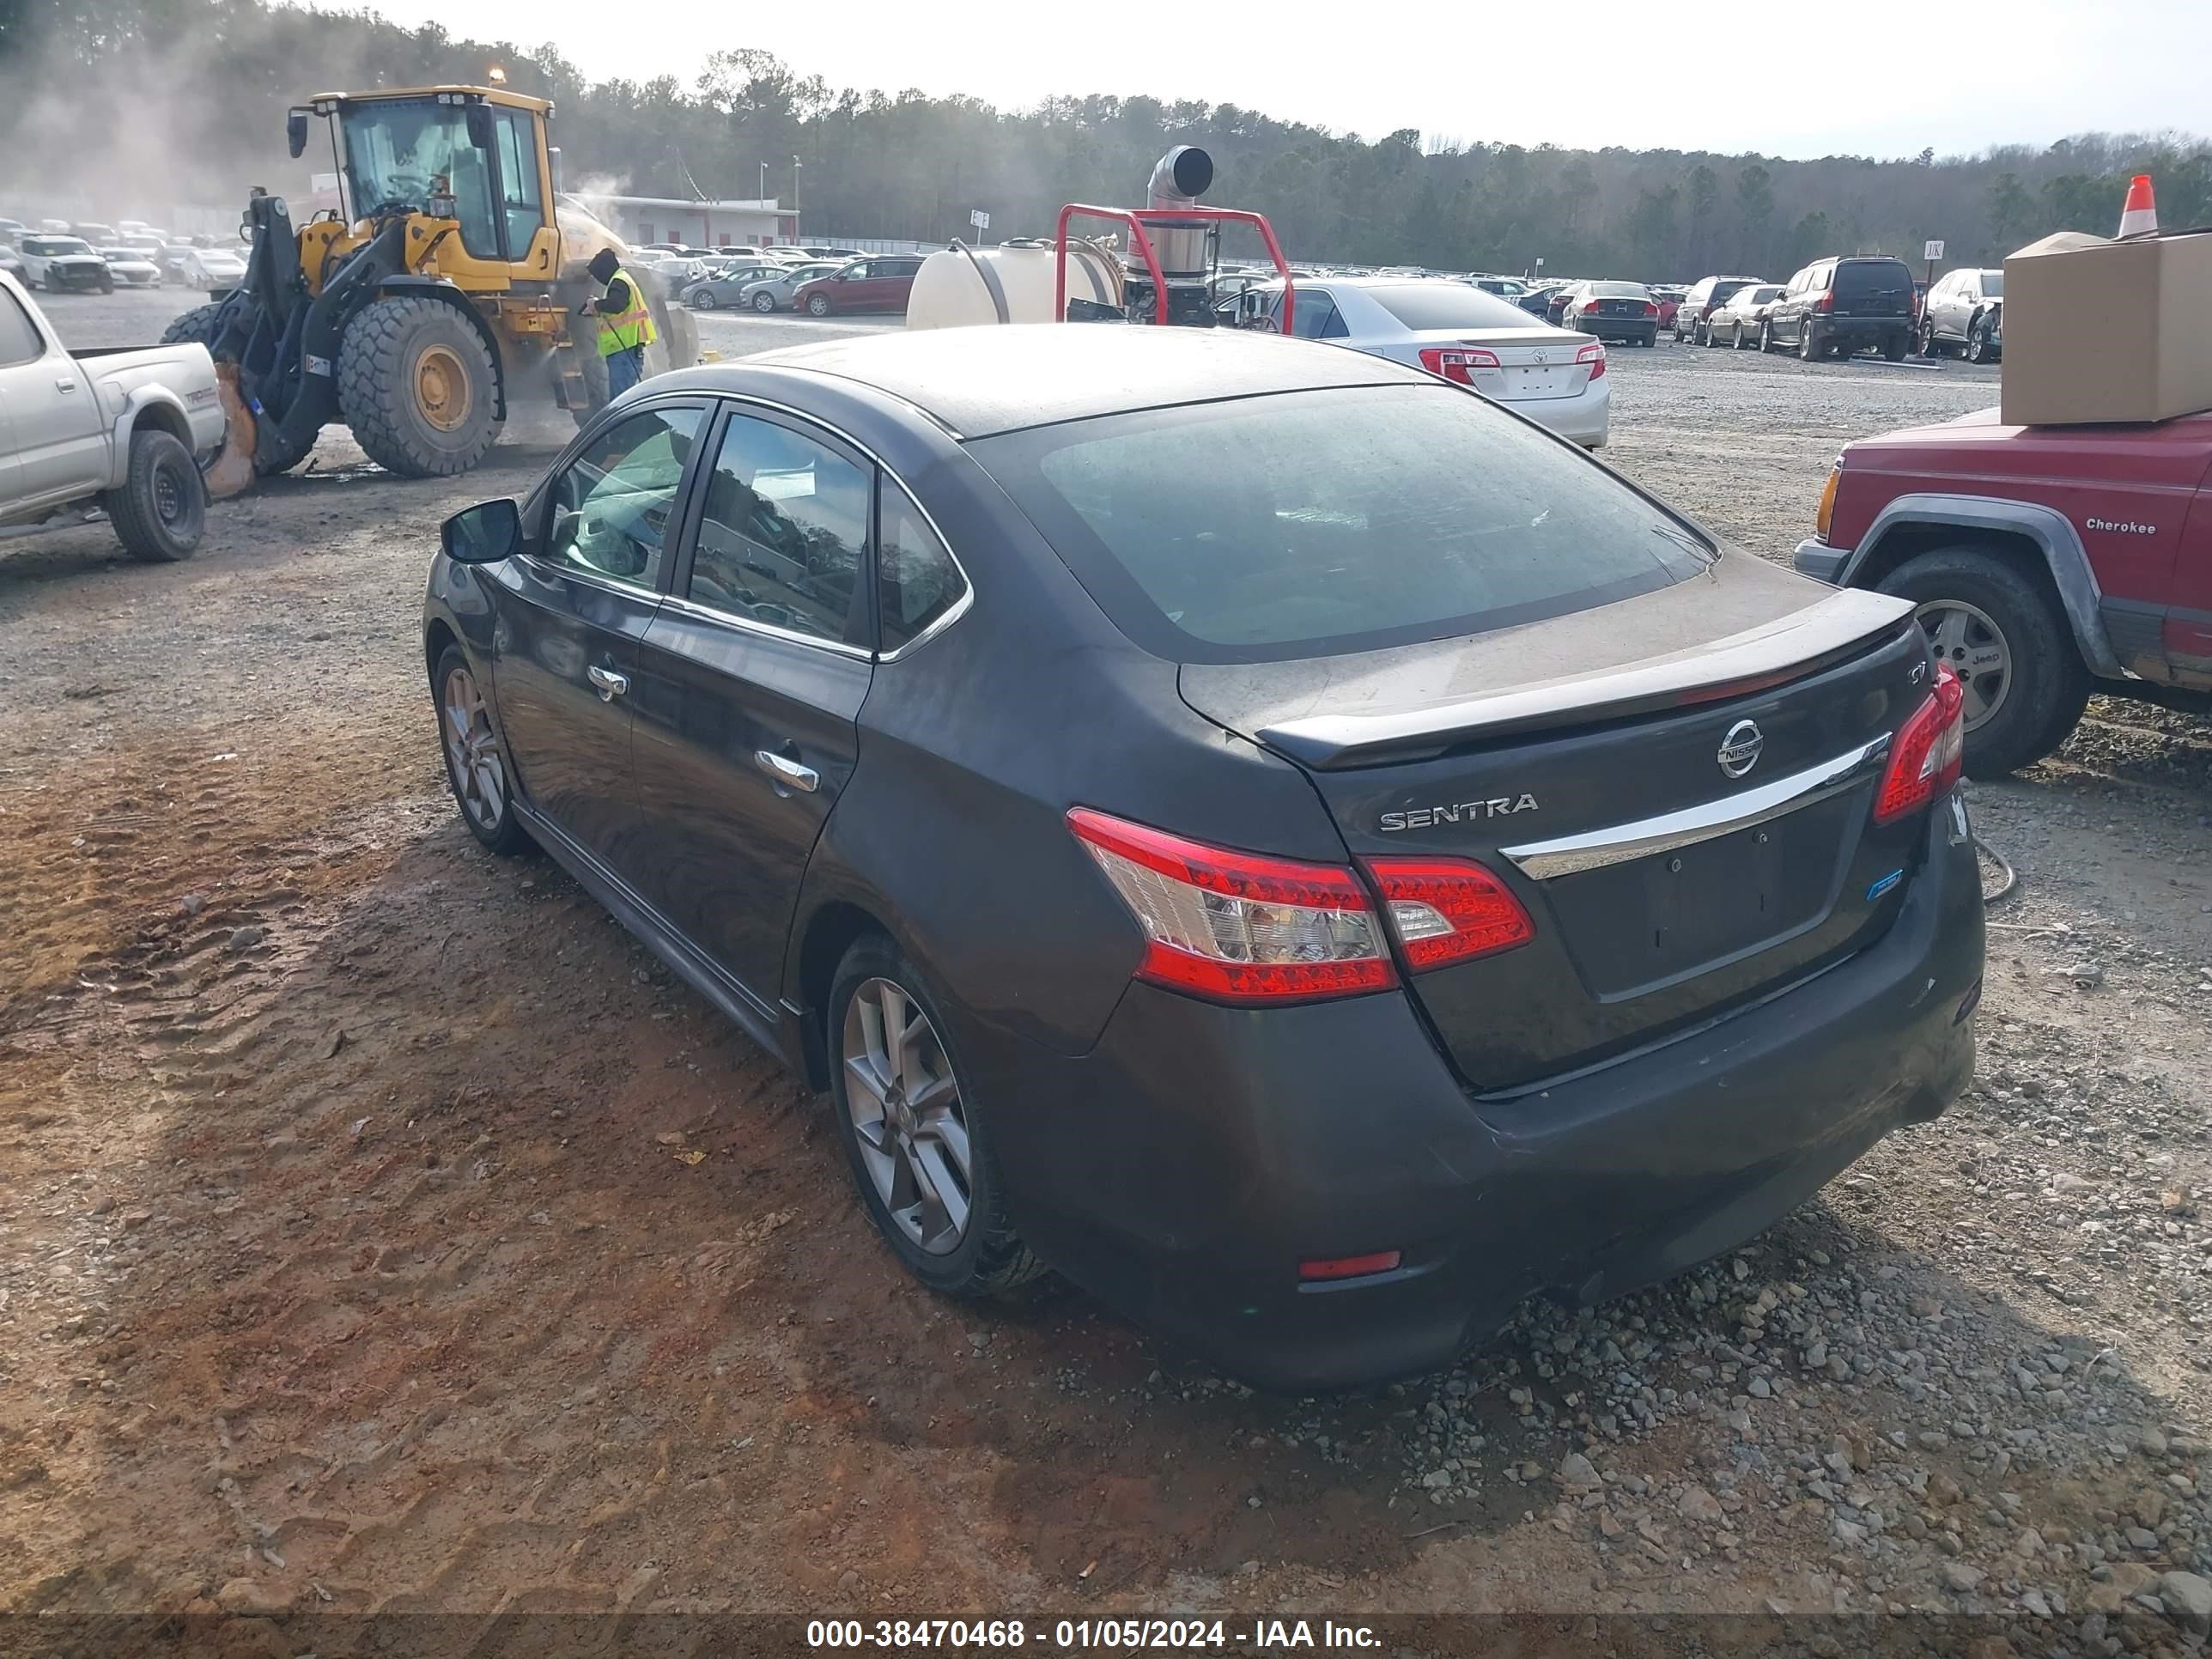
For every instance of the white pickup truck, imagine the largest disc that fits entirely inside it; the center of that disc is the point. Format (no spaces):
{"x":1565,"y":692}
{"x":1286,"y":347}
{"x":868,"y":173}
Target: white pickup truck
{"x":122,"y":430}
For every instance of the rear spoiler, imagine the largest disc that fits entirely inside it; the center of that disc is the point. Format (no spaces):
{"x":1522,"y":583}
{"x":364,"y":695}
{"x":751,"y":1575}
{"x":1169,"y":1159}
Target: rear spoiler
{"x":1840,"y":625}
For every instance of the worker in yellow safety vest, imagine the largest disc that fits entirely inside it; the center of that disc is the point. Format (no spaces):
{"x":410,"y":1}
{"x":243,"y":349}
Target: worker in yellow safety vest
{"x":625,"y":322}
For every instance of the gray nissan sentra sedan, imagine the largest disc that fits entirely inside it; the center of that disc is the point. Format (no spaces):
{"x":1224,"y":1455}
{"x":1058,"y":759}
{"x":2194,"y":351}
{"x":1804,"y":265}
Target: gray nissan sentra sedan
{"x":1258,"y":829}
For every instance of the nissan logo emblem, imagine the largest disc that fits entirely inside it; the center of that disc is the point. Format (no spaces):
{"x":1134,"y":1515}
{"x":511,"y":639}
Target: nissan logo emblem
{"x":1740,"y":749}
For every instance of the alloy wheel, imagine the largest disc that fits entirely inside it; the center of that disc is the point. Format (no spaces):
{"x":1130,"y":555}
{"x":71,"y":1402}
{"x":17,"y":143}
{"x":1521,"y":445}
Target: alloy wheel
{"x":479,"y":773}
{"x":1969,"y":642}
{"x":907,"y":1115}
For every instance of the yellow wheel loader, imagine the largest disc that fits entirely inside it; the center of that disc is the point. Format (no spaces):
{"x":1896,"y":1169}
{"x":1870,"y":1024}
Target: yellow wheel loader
{"x":442,"y":291}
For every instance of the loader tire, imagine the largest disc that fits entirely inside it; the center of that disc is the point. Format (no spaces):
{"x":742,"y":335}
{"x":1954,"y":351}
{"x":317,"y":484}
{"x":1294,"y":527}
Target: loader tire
{"x":195,"y":327}
{"x":418,"y":387}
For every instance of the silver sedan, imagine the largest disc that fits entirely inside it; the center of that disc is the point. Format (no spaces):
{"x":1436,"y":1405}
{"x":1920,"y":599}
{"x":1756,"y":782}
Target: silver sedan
{"x":773,"y":293}
{"x":1553,"y":376}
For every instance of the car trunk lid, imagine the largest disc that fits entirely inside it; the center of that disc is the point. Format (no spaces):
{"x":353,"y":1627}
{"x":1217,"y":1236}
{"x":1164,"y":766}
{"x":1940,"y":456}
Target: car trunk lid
{"x":1533,"y":364}
{"x":1688,"y":817}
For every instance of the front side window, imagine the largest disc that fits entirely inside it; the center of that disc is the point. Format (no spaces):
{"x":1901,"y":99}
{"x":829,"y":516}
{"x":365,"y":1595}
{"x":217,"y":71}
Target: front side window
{"x":610,"y":506}
{"x":785,"y":532}
{"x":917,"y":580}
{"x":398,"y":154}
{"x":1332,"y":521}
{"x":519,"y":199}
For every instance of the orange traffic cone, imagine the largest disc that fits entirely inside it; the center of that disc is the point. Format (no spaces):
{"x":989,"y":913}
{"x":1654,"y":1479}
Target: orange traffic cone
{"x":2139,"y":217}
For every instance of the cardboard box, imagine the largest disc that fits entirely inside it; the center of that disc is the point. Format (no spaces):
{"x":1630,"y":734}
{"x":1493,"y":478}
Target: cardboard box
{"x":2099,"y":330}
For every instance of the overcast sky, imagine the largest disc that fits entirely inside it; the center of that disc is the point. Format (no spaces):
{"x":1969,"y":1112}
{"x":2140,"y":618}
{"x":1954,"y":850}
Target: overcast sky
{"x":1883,"y":79}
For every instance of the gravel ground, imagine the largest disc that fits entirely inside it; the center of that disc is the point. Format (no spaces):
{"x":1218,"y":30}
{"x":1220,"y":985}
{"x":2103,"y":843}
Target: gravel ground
{"x":354,"y":1255}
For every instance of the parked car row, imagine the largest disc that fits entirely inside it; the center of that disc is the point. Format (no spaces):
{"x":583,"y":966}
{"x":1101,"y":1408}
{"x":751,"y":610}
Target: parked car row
{"x":820,"y":288}
{"x":88,"y":257}
{"x":1837,"y":307}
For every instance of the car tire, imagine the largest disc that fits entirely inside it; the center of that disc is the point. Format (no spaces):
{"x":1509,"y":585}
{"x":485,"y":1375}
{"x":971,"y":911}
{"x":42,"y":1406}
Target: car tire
{"x":1765,"y":338}
{"x":2045,"y":683}
{"x":476,"y":765}
{"x":892,"y":1151}
{"x":1893,"y":351}
{"x":763,"y":303}
{"x":1930,"y":346}
{"x":107,"y":285}
{"x":705,"y":299}
{"x":1978,"y":342}
{"x":1810,"y":347}
{"x":1705,"y":336}
{"x":817,"y":305}
{"x":161,"y":510}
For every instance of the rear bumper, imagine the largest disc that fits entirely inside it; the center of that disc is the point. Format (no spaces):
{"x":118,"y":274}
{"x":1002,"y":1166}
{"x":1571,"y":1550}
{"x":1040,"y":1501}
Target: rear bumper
{"x":1584,"y":418}
{"x":1857,"y":332}
{"x":1184,"y":1168}
{"x":1618,"y":328}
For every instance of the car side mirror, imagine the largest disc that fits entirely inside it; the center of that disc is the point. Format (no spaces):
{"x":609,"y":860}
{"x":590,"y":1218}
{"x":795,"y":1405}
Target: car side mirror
{"x":484,"y":534}
{"x":296,"y":132}
{"x":478,"y":116}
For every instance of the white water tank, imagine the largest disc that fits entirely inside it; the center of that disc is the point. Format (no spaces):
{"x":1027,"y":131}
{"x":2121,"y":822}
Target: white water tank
{"x":1009,"y":284}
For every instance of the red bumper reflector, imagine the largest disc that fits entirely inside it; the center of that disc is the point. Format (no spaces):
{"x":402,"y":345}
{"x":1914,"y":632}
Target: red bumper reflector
{"x":1350,"y":1266}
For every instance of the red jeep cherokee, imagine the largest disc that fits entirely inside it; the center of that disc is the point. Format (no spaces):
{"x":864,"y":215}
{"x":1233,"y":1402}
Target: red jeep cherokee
{"x":2047,"y":562}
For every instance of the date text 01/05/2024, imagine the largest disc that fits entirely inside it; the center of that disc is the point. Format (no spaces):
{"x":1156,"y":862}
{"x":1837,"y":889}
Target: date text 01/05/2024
{"x":1259,"y":1636}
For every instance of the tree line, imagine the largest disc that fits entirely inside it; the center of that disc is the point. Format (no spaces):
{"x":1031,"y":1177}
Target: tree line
{"x":187,"y":97}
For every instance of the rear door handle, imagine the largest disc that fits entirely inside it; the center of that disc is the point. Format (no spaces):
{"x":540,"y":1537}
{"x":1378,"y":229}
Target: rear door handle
{"x":610,"y":684}
{"x":63,"y":383}
{"x":787,"y":771}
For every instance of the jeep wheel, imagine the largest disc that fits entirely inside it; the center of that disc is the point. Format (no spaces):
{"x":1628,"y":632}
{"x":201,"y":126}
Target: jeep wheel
{"x":2001,"y":632}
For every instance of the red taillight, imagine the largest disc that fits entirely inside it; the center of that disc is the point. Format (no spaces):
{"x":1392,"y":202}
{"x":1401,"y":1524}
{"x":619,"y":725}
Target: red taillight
{"x":1652,"y":307}
{"x":1349,"y":1267}
{"x":1447,"y":910}
{"x":1239,"y":926}
{"x":1457,"y":363}
{"x":1924,"y":760}
{"x":1593,"y":355}
{"x":1826,"y":302}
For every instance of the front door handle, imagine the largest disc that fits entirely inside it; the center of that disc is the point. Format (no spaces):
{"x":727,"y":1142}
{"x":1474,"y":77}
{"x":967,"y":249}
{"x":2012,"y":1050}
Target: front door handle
{"x":787,"y":772}
{"x":63,"y":383}
{"x":610,"y":684}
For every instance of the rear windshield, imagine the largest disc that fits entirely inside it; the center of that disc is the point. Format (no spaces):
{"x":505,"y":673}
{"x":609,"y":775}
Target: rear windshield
{"x":1871,"y":277}
{"x":1621,"y":290}
{"x":1316,"y":523}
{"x":1445,"y":304}
{"x":1993,"y":284}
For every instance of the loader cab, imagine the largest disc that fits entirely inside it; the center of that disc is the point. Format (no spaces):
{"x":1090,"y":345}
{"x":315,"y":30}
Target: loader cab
{"x":474,"y":154}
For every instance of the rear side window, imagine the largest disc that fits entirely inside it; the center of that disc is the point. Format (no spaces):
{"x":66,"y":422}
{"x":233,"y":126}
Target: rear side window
{"x":18,"y":337}
{"x":1446,"y":304}
{"x":917,"y":580}
{"x":1317,"y":523}
{"x":1724,"y":292}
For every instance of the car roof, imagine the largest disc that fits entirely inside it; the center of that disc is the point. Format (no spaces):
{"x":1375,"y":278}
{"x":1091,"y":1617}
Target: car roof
{"x":976,"y":381}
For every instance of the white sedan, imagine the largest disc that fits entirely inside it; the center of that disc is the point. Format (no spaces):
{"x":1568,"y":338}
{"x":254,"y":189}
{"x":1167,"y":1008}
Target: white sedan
{"x":1554,"y":377}
{"x":211,"y":268}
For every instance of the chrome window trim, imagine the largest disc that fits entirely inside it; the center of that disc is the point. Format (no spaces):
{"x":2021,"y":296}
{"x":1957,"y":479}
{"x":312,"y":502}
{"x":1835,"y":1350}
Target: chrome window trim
{"x":751,"y":625}
{"x":592,"y":578}
{"x":1668,"y":832}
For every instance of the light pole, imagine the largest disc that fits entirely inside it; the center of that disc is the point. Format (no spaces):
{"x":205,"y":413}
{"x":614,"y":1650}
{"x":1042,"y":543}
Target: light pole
{"x":763,"y":189}
{"x":795,"y":165}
